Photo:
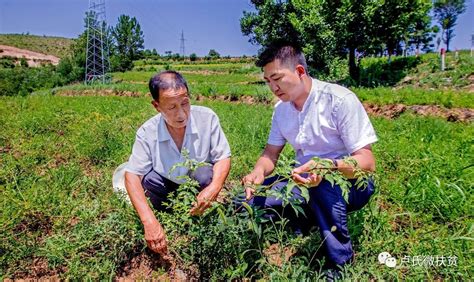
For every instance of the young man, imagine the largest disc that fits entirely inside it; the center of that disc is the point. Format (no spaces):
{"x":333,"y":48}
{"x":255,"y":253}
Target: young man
{"x":318,"y":119}
{"x":158,"y":146}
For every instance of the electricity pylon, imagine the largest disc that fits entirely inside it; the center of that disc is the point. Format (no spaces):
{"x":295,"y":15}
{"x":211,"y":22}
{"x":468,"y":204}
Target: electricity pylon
{"x":181,"y":47}
{"x":97,"y":53}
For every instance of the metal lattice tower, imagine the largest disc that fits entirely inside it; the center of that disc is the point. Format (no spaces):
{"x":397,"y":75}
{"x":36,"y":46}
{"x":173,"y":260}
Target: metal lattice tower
{"x":181,"y":47}
{"x":97,"y":60}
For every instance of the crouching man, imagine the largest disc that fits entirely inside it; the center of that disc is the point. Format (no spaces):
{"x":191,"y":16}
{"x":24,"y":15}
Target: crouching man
{"x":322,"y":120}
{"x":159,"y":145}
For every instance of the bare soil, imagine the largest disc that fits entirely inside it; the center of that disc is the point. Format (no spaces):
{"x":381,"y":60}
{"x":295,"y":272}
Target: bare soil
{"x":34,"y":222}
{"x":392,"y":111}
{"x":146,"y":265}
{"x":34,"y":59}
{"x":38,"y":271}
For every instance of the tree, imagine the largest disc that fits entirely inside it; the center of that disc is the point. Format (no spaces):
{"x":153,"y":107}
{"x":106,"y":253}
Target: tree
{"x":422,"y":36}
{"x":193,"y":57}
{"x":447,"y":12}
{"x":396,"y":21}
{"x":213,"y":54}
{"x":330,"y":31}
{"x":129,"y":41}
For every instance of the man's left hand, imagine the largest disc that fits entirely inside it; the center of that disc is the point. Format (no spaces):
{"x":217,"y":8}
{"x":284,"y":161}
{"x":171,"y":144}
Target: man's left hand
{"x":311,"y":180}
{"x":204,"y":199}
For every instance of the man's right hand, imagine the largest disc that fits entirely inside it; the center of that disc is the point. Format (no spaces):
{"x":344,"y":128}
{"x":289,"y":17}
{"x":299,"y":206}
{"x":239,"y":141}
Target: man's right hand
{"x":249,"y":181}
{"x":155,"y":237}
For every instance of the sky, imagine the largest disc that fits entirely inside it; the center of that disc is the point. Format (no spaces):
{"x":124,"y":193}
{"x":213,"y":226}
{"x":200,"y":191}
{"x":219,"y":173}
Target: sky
{"x":207,"y":24}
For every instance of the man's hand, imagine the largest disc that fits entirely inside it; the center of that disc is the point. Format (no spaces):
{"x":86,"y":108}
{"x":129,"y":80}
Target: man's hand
{"x":251,"y":179}
{"x":155,"y":237}
{"x":311,"y":180}
{"x":204,"y":199}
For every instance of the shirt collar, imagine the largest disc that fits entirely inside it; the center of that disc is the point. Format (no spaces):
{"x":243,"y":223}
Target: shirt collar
{"x":164,"y":135}
{"x":191,"y":127}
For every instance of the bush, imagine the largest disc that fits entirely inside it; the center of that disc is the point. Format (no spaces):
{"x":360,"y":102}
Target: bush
{"x":23,"y":81}
{"x":7,"y":62}
{"x":382,"y":72}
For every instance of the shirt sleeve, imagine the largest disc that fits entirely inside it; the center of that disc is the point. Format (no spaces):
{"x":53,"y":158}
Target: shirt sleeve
{"x":220,"y":148}
{"x":140,"y":162}
{"x":354,"y":124}
{"x":275,"y":137}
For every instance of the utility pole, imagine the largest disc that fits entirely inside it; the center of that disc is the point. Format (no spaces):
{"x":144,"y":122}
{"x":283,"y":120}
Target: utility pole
{"x":97,"y":52}
{"x":472,"y":44}
{"x":181,"y":47}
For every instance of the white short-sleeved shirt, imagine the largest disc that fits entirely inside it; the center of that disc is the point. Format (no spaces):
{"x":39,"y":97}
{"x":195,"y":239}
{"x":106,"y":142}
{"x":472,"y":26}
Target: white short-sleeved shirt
{"x":154,"y":147}
{"x":332,"y":124}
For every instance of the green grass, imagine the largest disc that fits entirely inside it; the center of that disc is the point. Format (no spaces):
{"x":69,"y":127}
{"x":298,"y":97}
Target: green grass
{"x":58,"y":155}
{"x":416,"y":96}
{"x":245,"y":68}
{"x":231,"y":85}
{"x":112,"y":89}
{"x":49,"y":45}
{"x":423,"y":71}
{"x":456,"y":75}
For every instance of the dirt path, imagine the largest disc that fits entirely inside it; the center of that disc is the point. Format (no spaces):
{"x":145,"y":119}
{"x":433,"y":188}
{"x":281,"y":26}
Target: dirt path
{"x":34,"y":59}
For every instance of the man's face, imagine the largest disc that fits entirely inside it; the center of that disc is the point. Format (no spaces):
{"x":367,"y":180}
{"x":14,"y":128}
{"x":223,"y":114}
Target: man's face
{"x":284,"y":81}
{"x":175,"y":106}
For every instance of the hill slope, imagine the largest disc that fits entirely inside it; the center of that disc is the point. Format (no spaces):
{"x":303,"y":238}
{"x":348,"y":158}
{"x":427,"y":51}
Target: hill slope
{"x":48,"y":45}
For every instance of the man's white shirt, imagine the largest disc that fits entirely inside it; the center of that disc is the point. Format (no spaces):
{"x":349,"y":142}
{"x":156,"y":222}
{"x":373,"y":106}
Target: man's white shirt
{"x":332,"y":124}
{"x":155,"y":149}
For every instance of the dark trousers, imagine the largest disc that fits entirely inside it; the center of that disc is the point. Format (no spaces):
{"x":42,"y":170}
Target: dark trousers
{"x":158,"y":187}
{"x":327,"y":210}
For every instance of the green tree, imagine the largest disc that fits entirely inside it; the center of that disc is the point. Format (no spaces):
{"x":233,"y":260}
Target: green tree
{"x":269,"y":23}
{"x":129,"y":41}
{"x":193,"y":57}
{"x":447,"y":12}
{"x":213,"y":54}
{"x":330,"y":31}
{"x":422,"y":35}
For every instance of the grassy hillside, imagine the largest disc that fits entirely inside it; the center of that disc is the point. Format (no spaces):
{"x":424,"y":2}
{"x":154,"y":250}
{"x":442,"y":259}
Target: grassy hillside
{"x":49,"y":45}
{"x":422,"y":71}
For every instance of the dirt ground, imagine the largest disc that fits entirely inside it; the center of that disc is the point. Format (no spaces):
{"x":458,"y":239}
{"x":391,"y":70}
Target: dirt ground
{"x":146,"y":265}
{"x":34,"y":59}
{"x":395,"y":110}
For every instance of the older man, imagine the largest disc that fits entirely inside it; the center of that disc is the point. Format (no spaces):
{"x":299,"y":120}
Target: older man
{"x":322,"y":120}
{"x":158,"y":146}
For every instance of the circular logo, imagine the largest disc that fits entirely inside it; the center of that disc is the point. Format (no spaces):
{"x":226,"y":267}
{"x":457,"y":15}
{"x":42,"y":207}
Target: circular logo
{"x":391,"y":262}
{"x":383,"y":256}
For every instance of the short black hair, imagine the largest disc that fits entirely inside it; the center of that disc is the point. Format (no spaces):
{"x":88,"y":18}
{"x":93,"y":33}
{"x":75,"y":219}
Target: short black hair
{"x":288,"y":53}
{"x":166,"y":80}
